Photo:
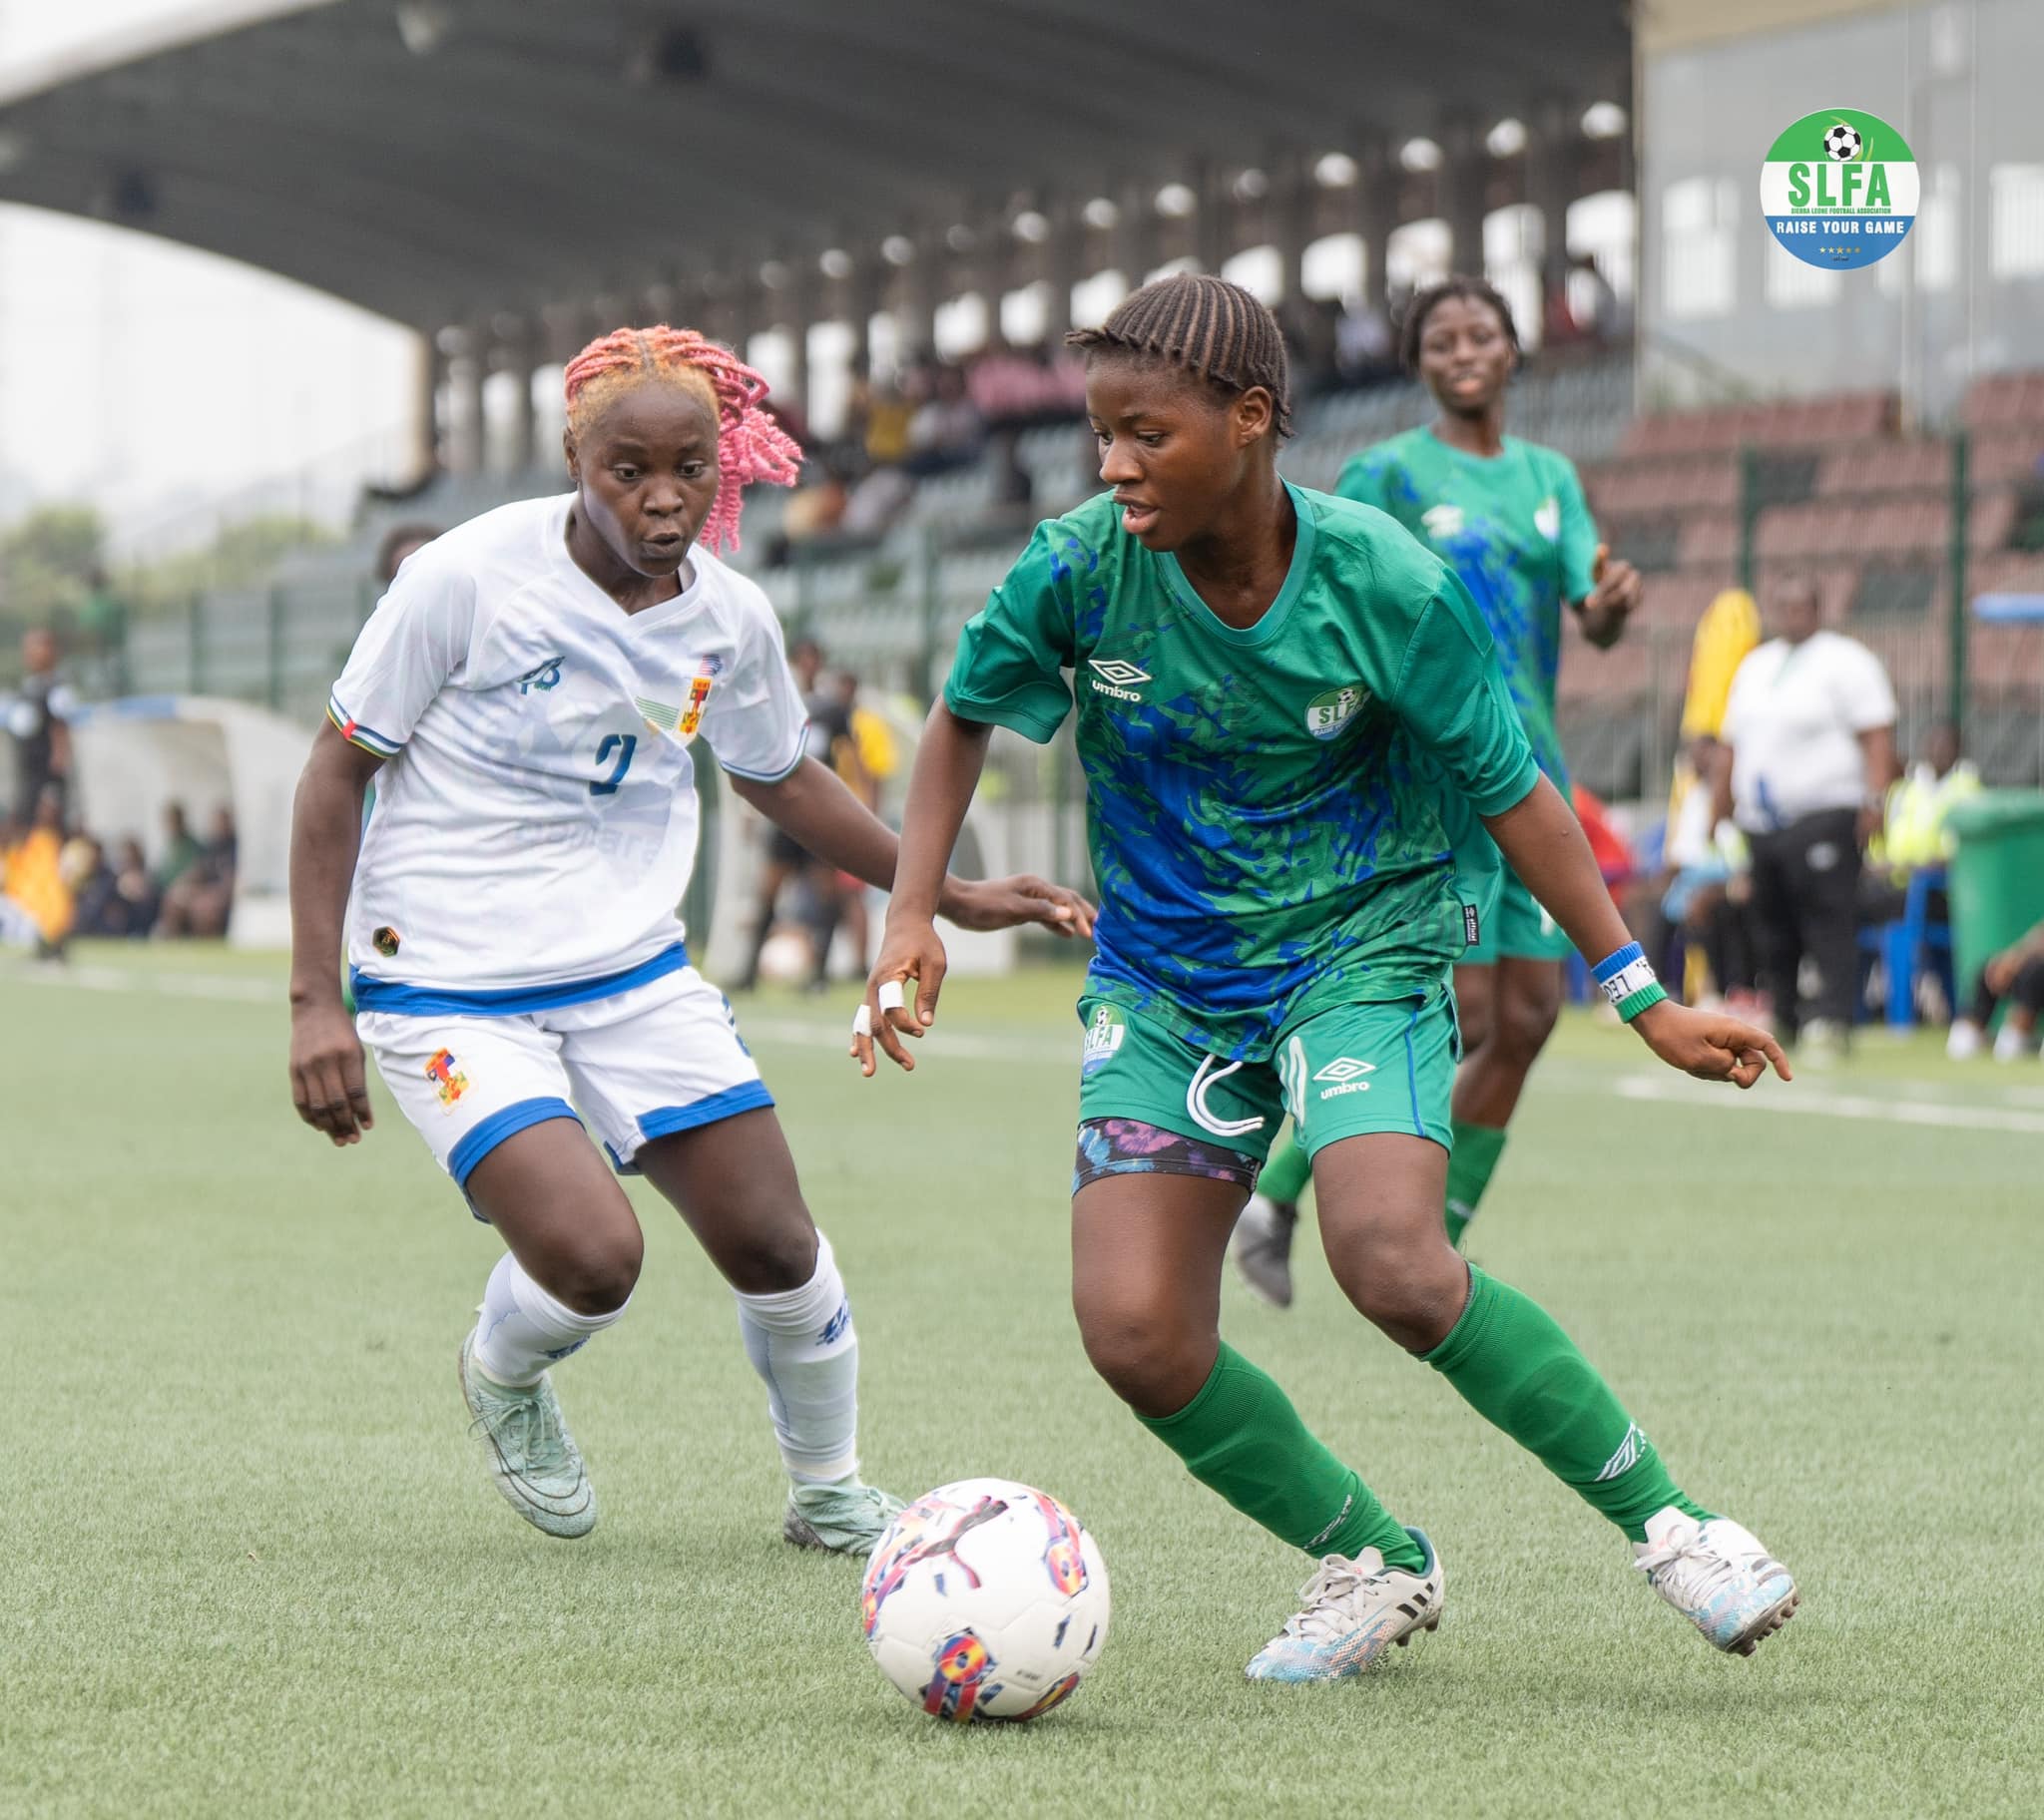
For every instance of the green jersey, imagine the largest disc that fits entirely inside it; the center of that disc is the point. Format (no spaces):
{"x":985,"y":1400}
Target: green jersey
{"x":1517,"y":528}
{"x":1264,"y":806}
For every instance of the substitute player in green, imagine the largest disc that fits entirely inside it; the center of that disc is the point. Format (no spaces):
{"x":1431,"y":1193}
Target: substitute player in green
{"x":1510,"y":519}
{"x":1277,"y":694}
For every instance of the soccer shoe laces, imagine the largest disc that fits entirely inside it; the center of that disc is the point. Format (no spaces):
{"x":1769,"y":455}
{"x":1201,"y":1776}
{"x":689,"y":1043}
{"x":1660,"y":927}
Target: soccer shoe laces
{"x":515,"y":1423}
{"x":1689,"y":1566}
{"x":1326,"y":1601}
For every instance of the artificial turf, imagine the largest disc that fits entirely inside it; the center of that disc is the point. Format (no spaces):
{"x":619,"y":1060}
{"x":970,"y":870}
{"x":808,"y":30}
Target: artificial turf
{"x":253,"y":1566}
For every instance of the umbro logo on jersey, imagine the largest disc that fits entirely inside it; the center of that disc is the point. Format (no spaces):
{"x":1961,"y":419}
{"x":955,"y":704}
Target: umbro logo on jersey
{"x":1113,"y":676}
{"x":541,"y":676}
{"x":1344,"y":1074}
{"x":1547,"y":518}
{"x":1443,"y":521}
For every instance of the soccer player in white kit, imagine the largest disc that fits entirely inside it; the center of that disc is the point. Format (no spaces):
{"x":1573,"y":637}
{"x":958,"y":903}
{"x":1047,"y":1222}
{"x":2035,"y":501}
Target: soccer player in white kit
{"x":525,"y":696}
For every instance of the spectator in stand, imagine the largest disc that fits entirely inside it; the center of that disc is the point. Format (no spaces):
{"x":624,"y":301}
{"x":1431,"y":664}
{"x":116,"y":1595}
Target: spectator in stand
{"x":947,"y":430}
{"x":39,"y":720}
{"x":1011,"y":505}
{"x":197,"y":905}
{"x":829,"y":741}
{"x":181,"y":849}
{"x":865,"y":757}
{"x":2018,"y":975}
{"x":887,"y":415}
{"x":398,"y":542}
{"x":1702,"y":890}
{"x":136,"y":889}
{"x":1811,"y":731}
{"x":32,"y":879}
{"x":1913,"y":838}
{"x":1366,"y":350}
{"x":1593,"y":304}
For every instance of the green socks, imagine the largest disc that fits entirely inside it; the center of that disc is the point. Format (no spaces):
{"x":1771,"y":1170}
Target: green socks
{"x":1240,"y":1437}
{"x":1285,"y":1177}
{"x":1513,"y":1365}
{"x":1477,"y":1147}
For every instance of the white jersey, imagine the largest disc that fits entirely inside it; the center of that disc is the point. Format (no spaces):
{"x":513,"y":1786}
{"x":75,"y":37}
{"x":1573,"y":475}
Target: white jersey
{"x":535,"y":826}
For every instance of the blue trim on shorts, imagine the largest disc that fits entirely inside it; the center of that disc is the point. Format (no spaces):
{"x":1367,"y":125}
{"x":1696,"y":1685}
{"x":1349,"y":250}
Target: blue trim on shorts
{"x":666,"y":1120}
{"x":394,"y":995}
{"x":1412,"y":1071}
{"x":507,"y":1121}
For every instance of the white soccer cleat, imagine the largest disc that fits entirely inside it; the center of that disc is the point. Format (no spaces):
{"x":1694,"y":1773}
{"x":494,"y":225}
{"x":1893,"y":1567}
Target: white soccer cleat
{"x":1963,"y":1041}
{"x":1717,"y":1575}
{"x":1350,"y":1614}
{"x":1262,"y":1247}
{"x":2012,"y":1044}
{"x":532,"y":1458}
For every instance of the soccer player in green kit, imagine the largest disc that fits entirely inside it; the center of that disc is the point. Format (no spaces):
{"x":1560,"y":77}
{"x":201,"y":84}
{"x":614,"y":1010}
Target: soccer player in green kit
{"x":1277,"y":693}
{"x":1510,"y":519}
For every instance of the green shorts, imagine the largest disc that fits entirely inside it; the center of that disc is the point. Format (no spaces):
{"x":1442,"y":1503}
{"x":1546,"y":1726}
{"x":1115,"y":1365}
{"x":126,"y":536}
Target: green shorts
{"x":1515,"y":926}
{"x":1340,"y":1073}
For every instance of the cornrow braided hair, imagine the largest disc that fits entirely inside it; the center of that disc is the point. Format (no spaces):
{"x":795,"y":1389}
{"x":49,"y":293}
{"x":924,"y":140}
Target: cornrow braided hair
{"x":750,"y":444}
{"x":1469,"y":290}
{"x":1207,"y":327}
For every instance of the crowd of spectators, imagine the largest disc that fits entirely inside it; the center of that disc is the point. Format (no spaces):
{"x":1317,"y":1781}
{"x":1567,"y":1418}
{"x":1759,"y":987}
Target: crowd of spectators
{"x":940,"y":416}
{"x":60,"y":879}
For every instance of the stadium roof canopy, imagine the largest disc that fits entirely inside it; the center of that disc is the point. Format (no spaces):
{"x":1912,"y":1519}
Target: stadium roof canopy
{"x":430,"y":158}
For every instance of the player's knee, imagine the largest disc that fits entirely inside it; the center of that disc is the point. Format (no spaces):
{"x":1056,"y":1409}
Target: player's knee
{"x":1526,"y":1019}
{"x":600,"y":1278}
{"x":768,"y":1259}
{"x":1410,"y":1287}
{"x":1148,"y":1357}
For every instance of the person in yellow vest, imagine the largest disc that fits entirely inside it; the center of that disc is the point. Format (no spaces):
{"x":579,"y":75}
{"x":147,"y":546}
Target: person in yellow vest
{"x":39,"y":900}
{"x":1913,"y":833}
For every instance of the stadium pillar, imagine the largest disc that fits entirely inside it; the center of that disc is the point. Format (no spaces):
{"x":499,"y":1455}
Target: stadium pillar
{"x":432,"y":372}
{"x":1462,"y":174}
{"x":523,"y":358}
{"x":469,"y":427}
{"x":1291,"y":212}
{"x":1211,"y":224}
{"x":1134,"y":234}
{"x":1549,"y":188}
{"x":1064,"y":256}
{"x":1376,"y":197}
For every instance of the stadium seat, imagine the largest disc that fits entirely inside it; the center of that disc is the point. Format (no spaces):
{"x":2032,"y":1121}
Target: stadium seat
{"x":1909,"y":947}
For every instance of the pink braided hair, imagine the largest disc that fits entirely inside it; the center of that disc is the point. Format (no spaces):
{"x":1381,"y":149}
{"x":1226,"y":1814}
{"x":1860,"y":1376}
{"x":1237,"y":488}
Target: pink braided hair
{"x":750,"y":444}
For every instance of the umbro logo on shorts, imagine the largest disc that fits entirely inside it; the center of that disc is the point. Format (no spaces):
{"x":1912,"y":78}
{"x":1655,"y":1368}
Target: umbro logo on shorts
{"x":1113,"y":676}
{"x":1344,"y":1074}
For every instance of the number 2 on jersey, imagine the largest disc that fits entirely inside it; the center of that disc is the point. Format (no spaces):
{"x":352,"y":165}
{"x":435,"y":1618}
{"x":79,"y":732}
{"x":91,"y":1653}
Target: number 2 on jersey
{"x":623,"y":745}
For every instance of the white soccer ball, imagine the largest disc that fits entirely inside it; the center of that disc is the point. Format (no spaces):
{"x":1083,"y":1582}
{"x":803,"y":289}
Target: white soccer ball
{"x":1841,"y":144}
{"x":985,"y":1599}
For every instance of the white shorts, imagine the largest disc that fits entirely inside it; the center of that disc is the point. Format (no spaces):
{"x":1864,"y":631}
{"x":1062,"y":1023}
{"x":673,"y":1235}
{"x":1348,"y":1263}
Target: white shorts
{"x":661,"y":1058}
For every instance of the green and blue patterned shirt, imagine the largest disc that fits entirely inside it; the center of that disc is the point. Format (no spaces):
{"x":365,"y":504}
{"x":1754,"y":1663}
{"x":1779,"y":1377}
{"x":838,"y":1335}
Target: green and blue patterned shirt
{"x":1517,"y":528}
{"x":1267,"y":808}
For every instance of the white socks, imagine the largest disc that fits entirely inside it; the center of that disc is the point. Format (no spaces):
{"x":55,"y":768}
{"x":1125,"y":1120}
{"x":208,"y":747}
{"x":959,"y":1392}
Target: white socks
{"x":801,"y":1342}
{"x":523,"y":1329}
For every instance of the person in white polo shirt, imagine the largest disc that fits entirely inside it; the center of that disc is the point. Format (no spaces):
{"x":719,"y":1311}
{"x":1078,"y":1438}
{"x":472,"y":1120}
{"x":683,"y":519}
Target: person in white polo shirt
{"x":1811,"y":725}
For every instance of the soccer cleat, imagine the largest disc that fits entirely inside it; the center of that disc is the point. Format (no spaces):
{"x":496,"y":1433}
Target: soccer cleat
{"x":1350,"y":1613}
{"x":532,"y":1456}
{"x":2012,"y":1044}
{"x":1963,"y":1041}
{"x":1262,"y":1247}
{"x":842,"y":1519}
{"x":1717,"y":1575}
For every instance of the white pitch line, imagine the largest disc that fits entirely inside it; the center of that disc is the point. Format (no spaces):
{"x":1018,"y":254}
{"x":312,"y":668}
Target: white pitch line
{"x":793,"y":1033}
{"x":1802,"y":1100}
{"x":172,"y":984}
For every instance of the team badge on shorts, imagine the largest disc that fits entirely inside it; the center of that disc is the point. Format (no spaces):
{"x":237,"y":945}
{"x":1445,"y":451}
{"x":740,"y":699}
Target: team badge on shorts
{"x":451,"y":1081}
{"x":384,"y":941}
{"x":1103,"y":1039}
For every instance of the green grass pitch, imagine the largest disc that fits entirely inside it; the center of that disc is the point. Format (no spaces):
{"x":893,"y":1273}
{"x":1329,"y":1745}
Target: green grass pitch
{"x":253,"y":1566}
